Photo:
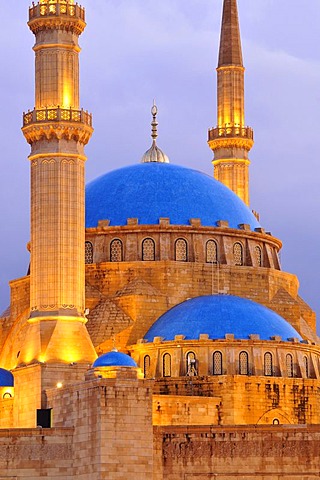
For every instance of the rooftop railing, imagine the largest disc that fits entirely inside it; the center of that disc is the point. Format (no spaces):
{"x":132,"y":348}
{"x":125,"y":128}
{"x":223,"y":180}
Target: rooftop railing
{"x":57,"y":115}
{"x":57,"y":8}
{"x":232,"y":131}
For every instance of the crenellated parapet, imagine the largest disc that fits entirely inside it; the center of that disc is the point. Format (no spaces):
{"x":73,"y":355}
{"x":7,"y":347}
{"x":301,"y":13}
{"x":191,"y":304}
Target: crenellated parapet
{"x":53,"y":14}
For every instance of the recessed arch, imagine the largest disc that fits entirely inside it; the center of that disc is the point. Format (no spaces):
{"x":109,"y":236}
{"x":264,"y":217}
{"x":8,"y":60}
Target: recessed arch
{"x":243,"y":363}
{"x":88,"y":252}
{"x":217,"y":363}
{"x":268,"y":364}
{"x":211,"y":251}
{"x":116,"y":250}
{"x":166,"y":365}
{"x":181,"y":250}
{"x":238,"y":254}
{"x":148,"y":250}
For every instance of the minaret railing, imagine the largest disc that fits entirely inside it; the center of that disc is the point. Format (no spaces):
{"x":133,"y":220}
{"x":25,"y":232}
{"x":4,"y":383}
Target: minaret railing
{"x":57,"y":114}
{"x":230,"y":131}
{"x":56,"y":8}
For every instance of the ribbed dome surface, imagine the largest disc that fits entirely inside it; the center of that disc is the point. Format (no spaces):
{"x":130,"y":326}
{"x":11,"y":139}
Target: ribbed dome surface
{"x":114,"y":359}
{"x":218,"y":315}
{"x":155,"y":154}
{"x":6,"y":378}
{"x":150,"y":191}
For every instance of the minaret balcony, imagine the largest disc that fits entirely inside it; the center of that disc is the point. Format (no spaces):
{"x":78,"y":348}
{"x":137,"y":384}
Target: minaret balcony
{"x":57,"y":123}
{"x":57,"y":114}
{"x":230,"y":131}
{"x":230,"y":137}
{"x":65,"y":8}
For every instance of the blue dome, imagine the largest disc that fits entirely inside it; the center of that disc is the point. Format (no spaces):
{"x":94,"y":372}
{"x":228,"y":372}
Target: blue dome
{"x":6,"y":378}
{"x":218,"y":315}
{"x":114,"y":359}
{"x":150,"y":191}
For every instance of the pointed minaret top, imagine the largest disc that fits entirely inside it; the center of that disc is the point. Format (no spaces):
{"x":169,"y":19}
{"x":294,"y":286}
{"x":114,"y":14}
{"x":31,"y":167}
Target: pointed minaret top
{"x":230,"y":42}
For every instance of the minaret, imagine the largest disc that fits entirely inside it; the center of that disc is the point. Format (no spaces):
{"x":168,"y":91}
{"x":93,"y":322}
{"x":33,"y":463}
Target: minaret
{"x":231,"y":140}
{"x":57,"y":130}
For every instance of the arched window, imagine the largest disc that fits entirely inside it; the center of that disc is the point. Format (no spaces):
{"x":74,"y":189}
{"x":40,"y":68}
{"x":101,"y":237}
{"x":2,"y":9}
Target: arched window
{"x":306,"y":366}
{"x":148,"y":250}
{"x":191,"y":361}
{"x":217,"y":363}
{"x":211,"y":252}
{"x":268,"y":364}
{"x":181,"y":250}
{"x":289,"y":365}
{"x":116,"y":251}
{"x":166,"y":365}
{"x":238,"y":253}
{"x":244,"y":363}
{"x":88,"y":252}
{"x":258,"y":254}
{"x":146,"y":366}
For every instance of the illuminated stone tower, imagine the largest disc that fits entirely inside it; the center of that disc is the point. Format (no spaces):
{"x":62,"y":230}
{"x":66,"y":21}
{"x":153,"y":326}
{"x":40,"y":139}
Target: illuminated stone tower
{"x":57,"y":131}
{"x":231,"y":140}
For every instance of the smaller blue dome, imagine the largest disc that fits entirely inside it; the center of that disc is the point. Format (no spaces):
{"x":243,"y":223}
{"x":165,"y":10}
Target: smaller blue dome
{"x":114,"y":359}
{"x":218,"y":315}
{"x":6,"y":378}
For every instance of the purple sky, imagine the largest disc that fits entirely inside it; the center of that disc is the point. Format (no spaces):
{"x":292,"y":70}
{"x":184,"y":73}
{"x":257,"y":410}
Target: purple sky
{"x":136,"y":50}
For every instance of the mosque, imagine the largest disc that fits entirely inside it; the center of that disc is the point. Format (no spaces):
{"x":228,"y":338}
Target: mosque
{"x":156,"y":335}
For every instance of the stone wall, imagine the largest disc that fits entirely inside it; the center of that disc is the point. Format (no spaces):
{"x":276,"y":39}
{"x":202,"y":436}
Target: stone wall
{"x":39,"y":454}
{"x":158,"y":286}
{"x":140,"y":292}
{"x":112,"y":420}
{"x":237,"y":453}
{"x":243,"y":400}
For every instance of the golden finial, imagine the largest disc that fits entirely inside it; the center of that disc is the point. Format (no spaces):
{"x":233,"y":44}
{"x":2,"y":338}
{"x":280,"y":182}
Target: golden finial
{"x":154,"y":154}
{"x":154,"y":123}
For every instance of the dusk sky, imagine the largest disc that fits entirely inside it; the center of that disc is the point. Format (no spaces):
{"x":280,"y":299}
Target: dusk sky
{"x":134,"y":51}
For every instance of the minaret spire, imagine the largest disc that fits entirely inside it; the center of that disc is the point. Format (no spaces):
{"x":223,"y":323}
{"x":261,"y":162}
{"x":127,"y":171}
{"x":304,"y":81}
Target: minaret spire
{"x":231,"y":140}
{"x":230,"y":52}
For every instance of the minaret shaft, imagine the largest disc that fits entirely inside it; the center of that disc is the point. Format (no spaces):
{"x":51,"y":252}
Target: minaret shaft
{"x":231,"y":140}
{"x":230,"y":96}
{"x":57,"y":73}
{"x":57,"y":132}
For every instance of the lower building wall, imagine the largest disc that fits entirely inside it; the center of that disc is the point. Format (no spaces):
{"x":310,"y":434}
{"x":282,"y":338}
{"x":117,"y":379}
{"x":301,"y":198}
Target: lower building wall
{"x":36,"y":454}
{"x":244,"y":400}
{"x":180,"y":453}
{"x":112,"y":420}
{"x":237,"y":453}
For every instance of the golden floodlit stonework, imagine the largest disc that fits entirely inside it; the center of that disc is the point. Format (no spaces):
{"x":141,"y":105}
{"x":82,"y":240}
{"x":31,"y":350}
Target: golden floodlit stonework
{"x":160,"y":337}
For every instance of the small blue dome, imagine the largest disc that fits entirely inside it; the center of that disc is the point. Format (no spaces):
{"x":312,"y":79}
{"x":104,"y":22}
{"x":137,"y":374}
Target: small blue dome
{"x":149,"y":191}
{"x":114,"y":359}
{"x":218,"y":315}
{"x":6,"y":378}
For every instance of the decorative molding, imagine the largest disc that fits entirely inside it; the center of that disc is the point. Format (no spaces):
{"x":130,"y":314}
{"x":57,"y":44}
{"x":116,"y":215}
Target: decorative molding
{"x":231,"y":142}
{"x":73,"y":131}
